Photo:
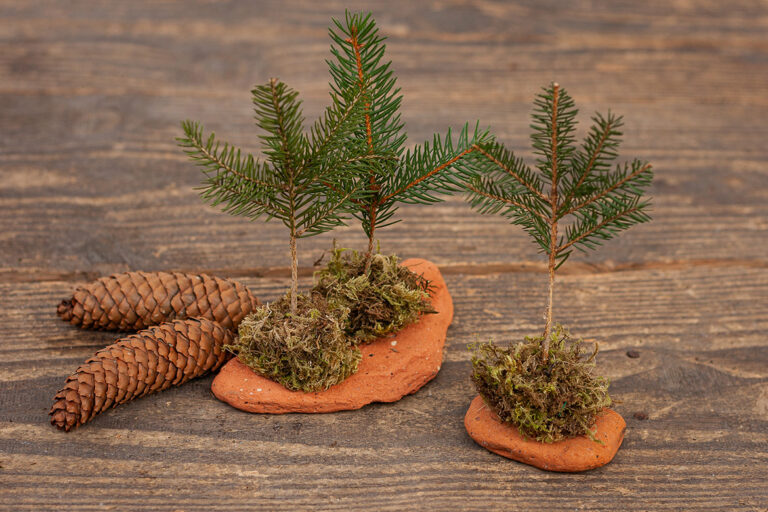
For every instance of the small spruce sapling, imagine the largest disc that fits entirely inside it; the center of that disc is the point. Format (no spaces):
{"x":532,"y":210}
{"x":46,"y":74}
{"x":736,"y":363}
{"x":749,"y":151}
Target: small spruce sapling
{"x":543,"y":386}
{"x":306,"y":182}
{"x":382,"y":297}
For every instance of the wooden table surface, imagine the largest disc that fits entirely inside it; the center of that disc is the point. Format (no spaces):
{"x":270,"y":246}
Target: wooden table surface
{"x":91,"y":182}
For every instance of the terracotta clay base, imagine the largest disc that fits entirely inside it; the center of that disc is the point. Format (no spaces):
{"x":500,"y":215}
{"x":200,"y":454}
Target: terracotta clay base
{"x":570,"y":456}
{"x":390,"y":369}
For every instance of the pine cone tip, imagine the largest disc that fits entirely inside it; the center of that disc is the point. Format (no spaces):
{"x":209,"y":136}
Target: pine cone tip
{"x":64,"y":310}
{"x":62,"y":419}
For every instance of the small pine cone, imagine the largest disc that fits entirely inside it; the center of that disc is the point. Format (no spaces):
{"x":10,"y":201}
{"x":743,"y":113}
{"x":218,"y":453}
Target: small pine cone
{"x":135,"y":300}
{"x":152,"y":360}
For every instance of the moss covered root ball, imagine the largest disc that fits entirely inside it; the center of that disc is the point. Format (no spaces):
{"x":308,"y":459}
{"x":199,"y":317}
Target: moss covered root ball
{"x":380,"y":302}
{"x":548,"y":401}
{"x":304,"y":351}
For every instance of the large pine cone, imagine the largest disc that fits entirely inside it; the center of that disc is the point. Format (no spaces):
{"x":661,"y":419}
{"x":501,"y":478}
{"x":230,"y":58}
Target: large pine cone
{"x":135,"y":300}
{"x":152,"y":360}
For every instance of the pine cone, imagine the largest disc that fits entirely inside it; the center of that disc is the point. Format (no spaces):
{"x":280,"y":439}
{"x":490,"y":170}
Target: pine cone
{"x":135,"y":300}
{"x":152,"y":360}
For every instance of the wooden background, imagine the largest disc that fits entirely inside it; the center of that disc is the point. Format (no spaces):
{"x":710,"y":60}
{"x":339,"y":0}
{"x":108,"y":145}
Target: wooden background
{"x":91,"y":182}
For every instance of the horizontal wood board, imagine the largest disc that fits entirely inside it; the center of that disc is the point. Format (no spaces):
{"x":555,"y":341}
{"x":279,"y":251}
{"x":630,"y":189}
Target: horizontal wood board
{"x":91,"y":182}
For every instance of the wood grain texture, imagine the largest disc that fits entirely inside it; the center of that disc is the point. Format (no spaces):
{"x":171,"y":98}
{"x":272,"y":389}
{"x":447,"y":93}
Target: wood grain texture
{"x":91,"y":182}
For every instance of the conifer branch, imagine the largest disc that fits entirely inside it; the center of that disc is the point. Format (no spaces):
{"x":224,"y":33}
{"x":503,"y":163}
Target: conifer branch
{"x":525,"y":182}
{"x":347,"y":163}
{"x":278,"y":113}
{"x":601,"y":133}
{"x":213,"y":160}
{"x":425,"y":176}
{"x":328,"y":132}
{"x":358,"y":59}
{"x":639,"y":171}
{"x":280,"y":122}
{"x":252,"y":207}
{"x":603,"y":223}
{"x":327,"y":214}
{"x":505,"y":200}
{"x":333,"y":188}
{"x":223,"y":166}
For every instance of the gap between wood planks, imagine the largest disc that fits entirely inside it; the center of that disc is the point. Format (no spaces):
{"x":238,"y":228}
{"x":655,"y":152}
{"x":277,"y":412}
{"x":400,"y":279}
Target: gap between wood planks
{"x":574,"y":268}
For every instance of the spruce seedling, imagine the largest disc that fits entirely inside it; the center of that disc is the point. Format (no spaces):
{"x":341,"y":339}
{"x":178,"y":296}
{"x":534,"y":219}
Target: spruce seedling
{"x":306,"y":182}
{"x":418,"y":175}
{"x":543,"y":385}
{"x":381,"y":296}
{"x":572,"y":185}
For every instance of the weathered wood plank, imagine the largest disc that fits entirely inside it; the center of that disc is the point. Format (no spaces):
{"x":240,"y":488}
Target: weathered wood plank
{"x":104,"y":187}
{"x":700,"y":377}
{"x":695,"y":308}
{"x":91,"y":95}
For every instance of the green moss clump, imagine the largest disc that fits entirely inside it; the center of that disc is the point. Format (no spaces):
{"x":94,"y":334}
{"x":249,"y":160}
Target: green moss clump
{"x":305,"y":351}
{"x":546,"y":401}
{"x":381,"y":302}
